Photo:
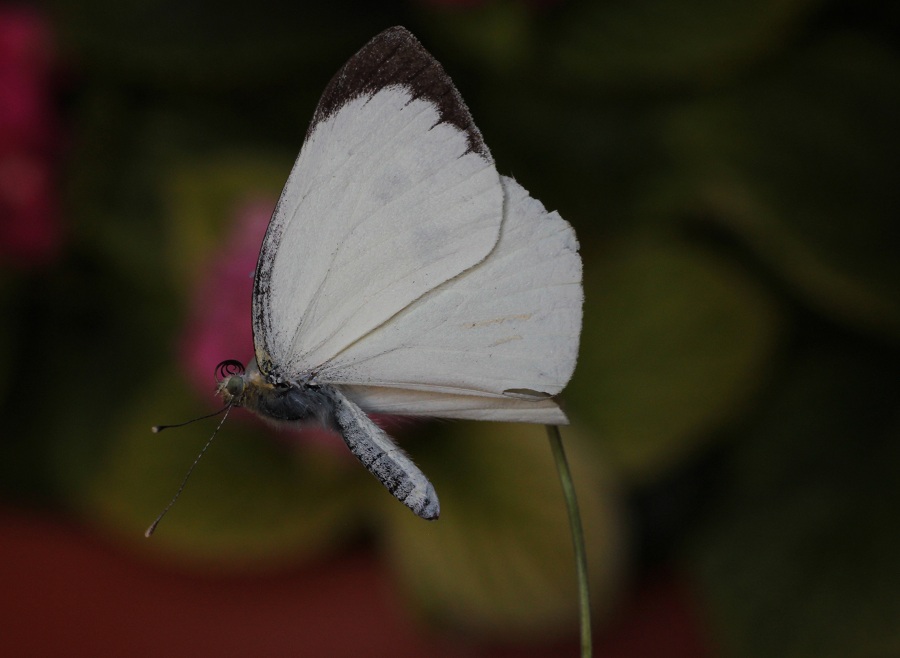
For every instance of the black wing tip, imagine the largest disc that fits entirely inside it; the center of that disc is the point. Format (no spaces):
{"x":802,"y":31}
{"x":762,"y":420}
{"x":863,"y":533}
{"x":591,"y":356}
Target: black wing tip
{"x":396,"y":32}
{"x":396,"y":57}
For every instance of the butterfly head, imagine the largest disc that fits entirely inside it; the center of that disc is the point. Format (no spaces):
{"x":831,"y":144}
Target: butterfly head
{"x":232,"y":381}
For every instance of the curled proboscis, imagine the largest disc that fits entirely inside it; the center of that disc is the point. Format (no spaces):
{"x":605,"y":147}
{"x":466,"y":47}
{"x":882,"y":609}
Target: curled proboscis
{"x":228,"y":368}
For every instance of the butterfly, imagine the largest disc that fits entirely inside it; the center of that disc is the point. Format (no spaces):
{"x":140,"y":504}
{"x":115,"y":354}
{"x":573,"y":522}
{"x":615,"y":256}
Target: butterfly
{"x":401,"y":274}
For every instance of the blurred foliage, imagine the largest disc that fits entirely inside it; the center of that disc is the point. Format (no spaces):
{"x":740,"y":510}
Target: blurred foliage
{"x":499,"y":562}
{"x":730,"y":169}
{"x":799,"y":555}
{"x":680,"y":339}
{"x":255,"y":506}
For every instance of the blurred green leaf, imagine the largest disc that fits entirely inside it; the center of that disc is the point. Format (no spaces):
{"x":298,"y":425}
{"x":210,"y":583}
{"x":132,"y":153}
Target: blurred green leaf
{"x":803,"y":166}
{"x":675,"y":342}
{"x":202,"y":197}
{"x":251,"y":503}
{"x":156,"y":184}
{"x":654,"y":44}
{"x":499,"y":562}
{"x":799,"y":556}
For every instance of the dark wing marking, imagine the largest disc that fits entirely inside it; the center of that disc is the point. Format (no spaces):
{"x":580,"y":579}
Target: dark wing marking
{"x":395,"y":57}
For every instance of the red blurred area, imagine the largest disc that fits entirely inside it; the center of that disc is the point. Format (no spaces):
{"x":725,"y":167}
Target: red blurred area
{"x":68,"y":593}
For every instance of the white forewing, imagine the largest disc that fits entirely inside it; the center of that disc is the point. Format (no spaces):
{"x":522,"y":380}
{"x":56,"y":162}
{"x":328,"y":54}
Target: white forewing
{"x":492,"y":343}
{"x":384,"y":203}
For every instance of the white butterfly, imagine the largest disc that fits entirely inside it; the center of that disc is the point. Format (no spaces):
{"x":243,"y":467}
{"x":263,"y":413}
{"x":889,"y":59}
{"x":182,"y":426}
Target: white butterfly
{"x":402,"y":274}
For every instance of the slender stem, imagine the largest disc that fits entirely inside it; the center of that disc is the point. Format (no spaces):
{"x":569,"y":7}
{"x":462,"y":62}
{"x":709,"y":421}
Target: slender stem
{"x":584,"y":595}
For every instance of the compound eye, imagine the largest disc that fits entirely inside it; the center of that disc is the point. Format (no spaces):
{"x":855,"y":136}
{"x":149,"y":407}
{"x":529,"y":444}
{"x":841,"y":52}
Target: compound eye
{"x":235,"y":386}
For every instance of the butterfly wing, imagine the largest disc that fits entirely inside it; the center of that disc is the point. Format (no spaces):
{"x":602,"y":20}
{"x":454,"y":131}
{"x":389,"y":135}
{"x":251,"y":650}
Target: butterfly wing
{"x":385,"y":271}
{"x":495,"y":342}
{"x":393,"y":194}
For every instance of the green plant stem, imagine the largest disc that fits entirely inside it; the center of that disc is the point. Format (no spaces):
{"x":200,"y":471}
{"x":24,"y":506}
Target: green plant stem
{"x":568,"y":486}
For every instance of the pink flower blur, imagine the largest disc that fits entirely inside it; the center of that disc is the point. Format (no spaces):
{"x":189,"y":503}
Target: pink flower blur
{"x":29,"y":222}
{"x":219,"y":321}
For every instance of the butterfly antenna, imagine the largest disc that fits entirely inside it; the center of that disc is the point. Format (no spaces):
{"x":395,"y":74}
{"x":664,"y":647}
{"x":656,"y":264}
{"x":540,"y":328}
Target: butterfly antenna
{"x":187,"y":475}
{"x":156,"y":429}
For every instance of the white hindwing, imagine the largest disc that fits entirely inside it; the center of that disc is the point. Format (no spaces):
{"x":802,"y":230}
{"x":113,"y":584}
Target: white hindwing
{"x":492,"y":343}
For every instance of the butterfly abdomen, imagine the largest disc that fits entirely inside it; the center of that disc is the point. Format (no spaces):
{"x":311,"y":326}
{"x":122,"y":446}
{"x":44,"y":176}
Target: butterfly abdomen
{"x":327,"y":406}
{"x":382,"y":458}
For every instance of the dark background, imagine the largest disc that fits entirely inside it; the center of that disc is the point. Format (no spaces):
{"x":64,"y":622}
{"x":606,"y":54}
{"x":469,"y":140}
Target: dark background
{"x":731,"y":170}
